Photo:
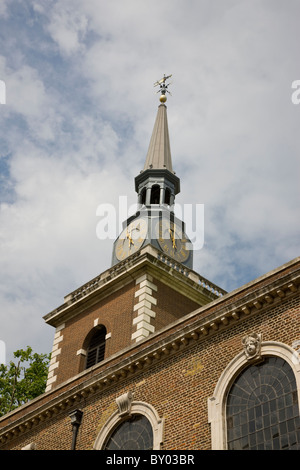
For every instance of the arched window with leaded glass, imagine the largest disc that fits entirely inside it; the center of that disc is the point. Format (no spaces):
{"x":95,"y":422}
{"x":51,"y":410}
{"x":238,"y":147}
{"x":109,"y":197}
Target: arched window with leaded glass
{"x":262,"y":411}
{"x":255,"y":404}
{"x":134,"y":433}
{"x":134,"y":426}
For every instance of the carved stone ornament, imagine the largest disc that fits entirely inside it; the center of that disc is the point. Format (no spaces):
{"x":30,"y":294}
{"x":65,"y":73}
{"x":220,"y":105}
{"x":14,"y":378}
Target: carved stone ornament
{"x":124,"y":403}
{"x":252,"y":346}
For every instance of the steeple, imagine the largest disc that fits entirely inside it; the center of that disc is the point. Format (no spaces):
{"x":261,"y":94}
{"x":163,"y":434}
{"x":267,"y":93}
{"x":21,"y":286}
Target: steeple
{"x":157,"y":185}
{"x":159,"y":152}
{"x":157,"y":182}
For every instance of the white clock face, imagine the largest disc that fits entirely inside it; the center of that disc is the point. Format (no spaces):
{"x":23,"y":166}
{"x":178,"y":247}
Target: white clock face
{"x":131,"y":239}
{"x":172,"y":240}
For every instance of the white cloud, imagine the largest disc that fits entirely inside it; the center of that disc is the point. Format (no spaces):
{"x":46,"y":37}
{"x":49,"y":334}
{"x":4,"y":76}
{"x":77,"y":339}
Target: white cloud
{"x":78,"y":120}
{"x":67,"y":27}
{"x":3,"y":8}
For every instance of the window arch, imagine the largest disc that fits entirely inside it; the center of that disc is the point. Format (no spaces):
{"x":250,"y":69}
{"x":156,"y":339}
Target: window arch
{"x":140,"y":423}
{"x":95,"y":350}
{"x":155,"y":194}
{"x":143,"y":196}
{"x":167,"y":196}
{"x":262,"y":408}
{"x":245,"y":390}
{"x":134,"y":433}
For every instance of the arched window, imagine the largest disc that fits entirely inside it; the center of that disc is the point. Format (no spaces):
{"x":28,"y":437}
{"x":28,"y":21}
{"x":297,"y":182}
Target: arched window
{"x":96,"y":347}
{"x":262,"y":410}
{"x":133,"y":434}
{"x":256,"y":404}
{"x":134,"y":426}
{"x":143,"y":196}
{"x":155,"y":194}
{"x":167,"y":196}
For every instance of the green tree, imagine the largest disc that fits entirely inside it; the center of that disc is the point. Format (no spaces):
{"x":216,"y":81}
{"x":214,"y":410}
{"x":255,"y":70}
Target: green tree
{"x":23,"y":379}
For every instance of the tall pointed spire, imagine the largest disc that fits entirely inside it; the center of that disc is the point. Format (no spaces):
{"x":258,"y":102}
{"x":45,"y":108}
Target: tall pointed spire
{"x":159,"y":152}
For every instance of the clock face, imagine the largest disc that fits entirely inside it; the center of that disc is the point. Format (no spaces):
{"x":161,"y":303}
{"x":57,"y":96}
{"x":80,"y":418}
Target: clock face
{"x":131,"y":239}
{"x":172,"y":240}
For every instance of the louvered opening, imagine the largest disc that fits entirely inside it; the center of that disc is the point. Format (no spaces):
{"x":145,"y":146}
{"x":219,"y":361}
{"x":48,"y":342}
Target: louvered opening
{"x":155,"y":194}
{"x":96,"y":348}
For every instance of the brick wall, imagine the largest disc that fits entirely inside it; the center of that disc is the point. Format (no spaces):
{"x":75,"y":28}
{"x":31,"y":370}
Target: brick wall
{"x":177,"y":386}
{"x":171,"y":305}
{"x":118,"y":313}
{"x":114,"y":312}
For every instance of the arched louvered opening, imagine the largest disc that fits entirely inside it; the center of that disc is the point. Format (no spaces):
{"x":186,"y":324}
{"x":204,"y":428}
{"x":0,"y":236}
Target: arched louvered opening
{"x":143,"y":196}
{"x":155,"y":194}
{"x":167,"y":196}
{"x":96,"y":347}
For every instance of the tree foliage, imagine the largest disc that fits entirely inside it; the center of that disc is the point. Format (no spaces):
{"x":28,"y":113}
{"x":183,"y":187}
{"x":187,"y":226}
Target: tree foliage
{"x":23,"y":379}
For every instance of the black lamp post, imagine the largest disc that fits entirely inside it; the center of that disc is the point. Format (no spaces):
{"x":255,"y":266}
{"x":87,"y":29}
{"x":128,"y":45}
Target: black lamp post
{"x":76,"y":417}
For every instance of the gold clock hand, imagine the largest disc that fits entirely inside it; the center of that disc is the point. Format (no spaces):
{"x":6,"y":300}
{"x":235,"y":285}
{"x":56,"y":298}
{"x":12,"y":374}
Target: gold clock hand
{"x":130,"y":241}
{"x":172,"y":237}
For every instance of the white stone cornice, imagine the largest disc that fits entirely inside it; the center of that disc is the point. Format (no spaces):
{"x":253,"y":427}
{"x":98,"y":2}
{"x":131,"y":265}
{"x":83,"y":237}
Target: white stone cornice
{"x":184,"y":280}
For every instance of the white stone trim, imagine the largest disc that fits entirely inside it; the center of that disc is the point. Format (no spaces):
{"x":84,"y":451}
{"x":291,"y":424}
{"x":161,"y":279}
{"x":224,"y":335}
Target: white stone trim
{"x":141,"y":317}
{"x":144,"y":307}
{"x":54,"y":363}
{"x":50,"y":381}
{"x":144,"y":277}
{"x":57,"y":338}
{"x":55,"y":352}
{"x":146,"y":311}
{"x":53,"y":366}
{"x":81,"y":352}
{"x":59,"y":328}
{"x":148,"y":283}
{"x":143,"y":290}
{"x":136,"y":407}
{"x":217,"y":403}
{"x":30,"y":446}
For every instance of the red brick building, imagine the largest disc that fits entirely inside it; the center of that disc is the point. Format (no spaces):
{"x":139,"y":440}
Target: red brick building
{"x":150,"y":355}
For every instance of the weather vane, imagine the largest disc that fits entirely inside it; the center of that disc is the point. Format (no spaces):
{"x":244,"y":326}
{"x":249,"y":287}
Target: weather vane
{"x":163,"y":88}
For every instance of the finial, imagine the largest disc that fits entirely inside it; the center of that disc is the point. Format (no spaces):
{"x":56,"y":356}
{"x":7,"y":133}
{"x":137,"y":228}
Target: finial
{"x":163,"y":88}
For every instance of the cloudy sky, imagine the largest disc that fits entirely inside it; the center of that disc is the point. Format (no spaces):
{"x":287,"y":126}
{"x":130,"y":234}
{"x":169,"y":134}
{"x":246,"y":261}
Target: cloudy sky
{"x":77,"y":120}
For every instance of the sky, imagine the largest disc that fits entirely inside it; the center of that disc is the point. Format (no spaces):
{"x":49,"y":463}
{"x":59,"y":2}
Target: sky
{"x":76,"y":121}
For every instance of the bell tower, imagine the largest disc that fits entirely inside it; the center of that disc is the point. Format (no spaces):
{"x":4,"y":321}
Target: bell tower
{"x":150,"y":284}
{"x":157,"y":185}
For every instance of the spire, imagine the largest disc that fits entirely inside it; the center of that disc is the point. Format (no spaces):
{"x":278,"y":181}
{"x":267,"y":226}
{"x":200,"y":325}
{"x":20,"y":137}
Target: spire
{"x":157,"y":182}
{"x":159,"y":152}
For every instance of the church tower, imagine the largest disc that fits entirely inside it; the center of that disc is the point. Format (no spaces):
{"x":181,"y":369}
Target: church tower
{"x":156,"y":185}
{"x":150,"y":284}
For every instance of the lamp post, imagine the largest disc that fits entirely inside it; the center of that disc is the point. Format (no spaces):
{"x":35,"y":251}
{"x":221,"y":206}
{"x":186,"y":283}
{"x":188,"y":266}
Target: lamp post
{"x":76,"y":417}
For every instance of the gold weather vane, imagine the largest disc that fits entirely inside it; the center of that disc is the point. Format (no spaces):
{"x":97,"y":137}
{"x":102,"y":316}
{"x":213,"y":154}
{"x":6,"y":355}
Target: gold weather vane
{"x":163,"y":88}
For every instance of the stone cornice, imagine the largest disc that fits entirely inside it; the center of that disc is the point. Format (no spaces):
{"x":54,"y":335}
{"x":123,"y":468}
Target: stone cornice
{"x":216,"y":316}
{"x":185,"y":280}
